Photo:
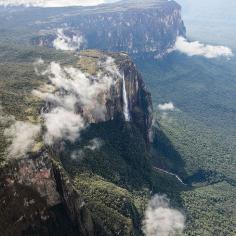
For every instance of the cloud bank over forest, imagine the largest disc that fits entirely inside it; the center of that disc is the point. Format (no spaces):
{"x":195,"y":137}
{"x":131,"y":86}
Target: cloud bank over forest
{"x":166,"y":106}
{"x":162,"y":220}
{"x":199,"y":49}
{"x":73,"y":99}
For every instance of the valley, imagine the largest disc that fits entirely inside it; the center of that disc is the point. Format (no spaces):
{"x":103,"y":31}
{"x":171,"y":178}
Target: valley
{"x":107,"y":116}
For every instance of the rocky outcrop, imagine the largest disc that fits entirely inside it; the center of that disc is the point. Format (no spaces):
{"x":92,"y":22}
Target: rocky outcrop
{"x":74,"y":204}
{"x":41,"y":188}
{"x":44,"y":198}
{"x":138,"y":98}
{"x":127,"y":92}
{"x":135,"y":27}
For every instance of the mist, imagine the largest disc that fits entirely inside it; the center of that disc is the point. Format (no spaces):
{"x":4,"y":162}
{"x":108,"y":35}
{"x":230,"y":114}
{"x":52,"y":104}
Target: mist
{"x":22,"y":137}
{"x":199,"y":49}
{"x":166,"y":106}
{"x":162,"y":220}
{"x":74,"y":100}
{"x":66,"y":43}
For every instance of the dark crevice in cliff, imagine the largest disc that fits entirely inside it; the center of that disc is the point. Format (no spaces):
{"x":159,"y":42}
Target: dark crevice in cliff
{"x":73,"y":204}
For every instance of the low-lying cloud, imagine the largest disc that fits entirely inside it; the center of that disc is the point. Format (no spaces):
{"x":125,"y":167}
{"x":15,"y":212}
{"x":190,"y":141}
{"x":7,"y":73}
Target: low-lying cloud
{"x":162,"y":220}
{"x":50,"y":3}
{"x":66,"y":43}
{"x":74,"y":100}
{"x":22,"y":137}
{"x":38,"y":66}
{"x":199,"y":49}
{"x":62,"y":124}
{"x":93,"y":145}
{"x":166,"y":106}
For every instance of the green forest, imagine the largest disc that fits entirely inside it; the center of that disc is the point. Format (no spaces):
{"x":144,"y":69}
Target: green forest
{"x":200,"y":132}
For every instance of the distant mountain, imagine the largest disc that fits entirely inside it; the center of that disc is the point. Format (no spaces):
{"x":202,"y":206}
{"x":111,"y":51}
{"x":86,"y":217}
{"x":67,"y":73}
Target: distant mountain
{"x":131,"y":26}
{"x":135,"y":27}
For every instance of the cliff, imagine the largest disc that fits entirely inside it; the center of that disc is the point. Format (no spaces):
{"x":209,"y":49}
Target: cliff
{"x":38,"y":198}
{"x":127,"y":92}
{"x":84,"y":186}
{"x":135,"y":27}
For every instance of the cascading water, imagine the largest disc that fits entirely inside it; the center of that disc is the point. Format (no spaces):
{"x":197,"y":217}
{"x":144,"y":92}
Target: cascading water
{"x":125,"y":101}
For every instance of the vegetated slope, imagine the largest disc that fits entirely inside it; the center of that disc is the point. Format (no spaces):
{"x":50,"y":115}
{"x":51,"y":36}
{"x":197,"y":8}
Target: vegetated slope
{"x":78,"y":189}
{"x":211,"y":209}
{"x":81,"y":188}
{"x":200,"y":130}
{"x":180,"y":138}
{"x":202,"y":92}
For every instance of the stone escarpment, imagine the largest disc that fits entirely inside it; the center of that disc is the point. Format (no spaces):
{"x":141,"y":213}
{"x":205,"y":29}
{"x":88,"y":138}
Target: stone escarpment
{"x":135,"y":27}
{"x":38,"y":198}
{"x":48,"y":188}
{"x":139,"y":104}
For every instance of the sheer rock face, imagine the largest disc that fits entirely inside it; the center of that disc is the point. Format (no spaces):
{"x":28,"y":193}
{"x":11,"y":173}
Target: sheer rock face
{"x":132,"y":26}
{"x":37,"y":196}
{"x":139,"y":102}
{"x":139,"y":99}
{"x":38,"y":186}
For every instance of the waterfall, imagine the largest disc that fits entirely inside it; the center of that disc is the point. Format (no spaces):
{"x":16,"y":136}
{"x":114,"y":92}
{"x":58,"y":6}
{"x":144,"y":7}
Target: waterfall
{"x":125,"y":102}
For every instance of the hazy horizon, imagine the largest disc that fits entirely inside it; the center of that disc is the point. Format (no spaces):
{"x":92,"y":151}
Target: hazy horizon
{"x":212,"y":21}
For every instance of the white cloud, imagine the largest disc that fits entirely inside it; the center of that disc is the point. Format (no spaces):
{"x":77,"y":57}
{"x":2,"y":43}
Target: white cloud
{"x":94,"y":144}
{"x":110,"y":66}
{"x":38,"y":66}
{"x":89,"y":92}
{"x":74,"y":100}
{"x":199,"y":49}
{"x":78,"y":155}
{"x":66,"y":43}
{"x":166,"y":107}
{"x":39,"y":61}
{"x":51,"y":3}
{"x":161,"y":220}
{"x":22,"y":137}
{"x":62,"y":124}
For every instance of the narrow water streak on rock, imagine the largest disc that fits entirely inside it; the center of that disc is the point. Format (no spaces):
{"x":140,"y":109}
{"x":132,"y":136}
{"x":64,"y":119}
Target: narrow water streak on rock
{"x":125,"y":102}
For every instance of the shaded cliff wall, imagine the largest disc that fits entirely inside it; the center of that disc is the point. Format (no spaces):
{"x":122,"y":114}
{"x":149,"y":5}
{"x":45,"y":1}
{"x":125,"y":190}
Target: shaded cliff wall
{"x":133,"y":27}
{"x":38,"y":186}
{"x":37,"y":198}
